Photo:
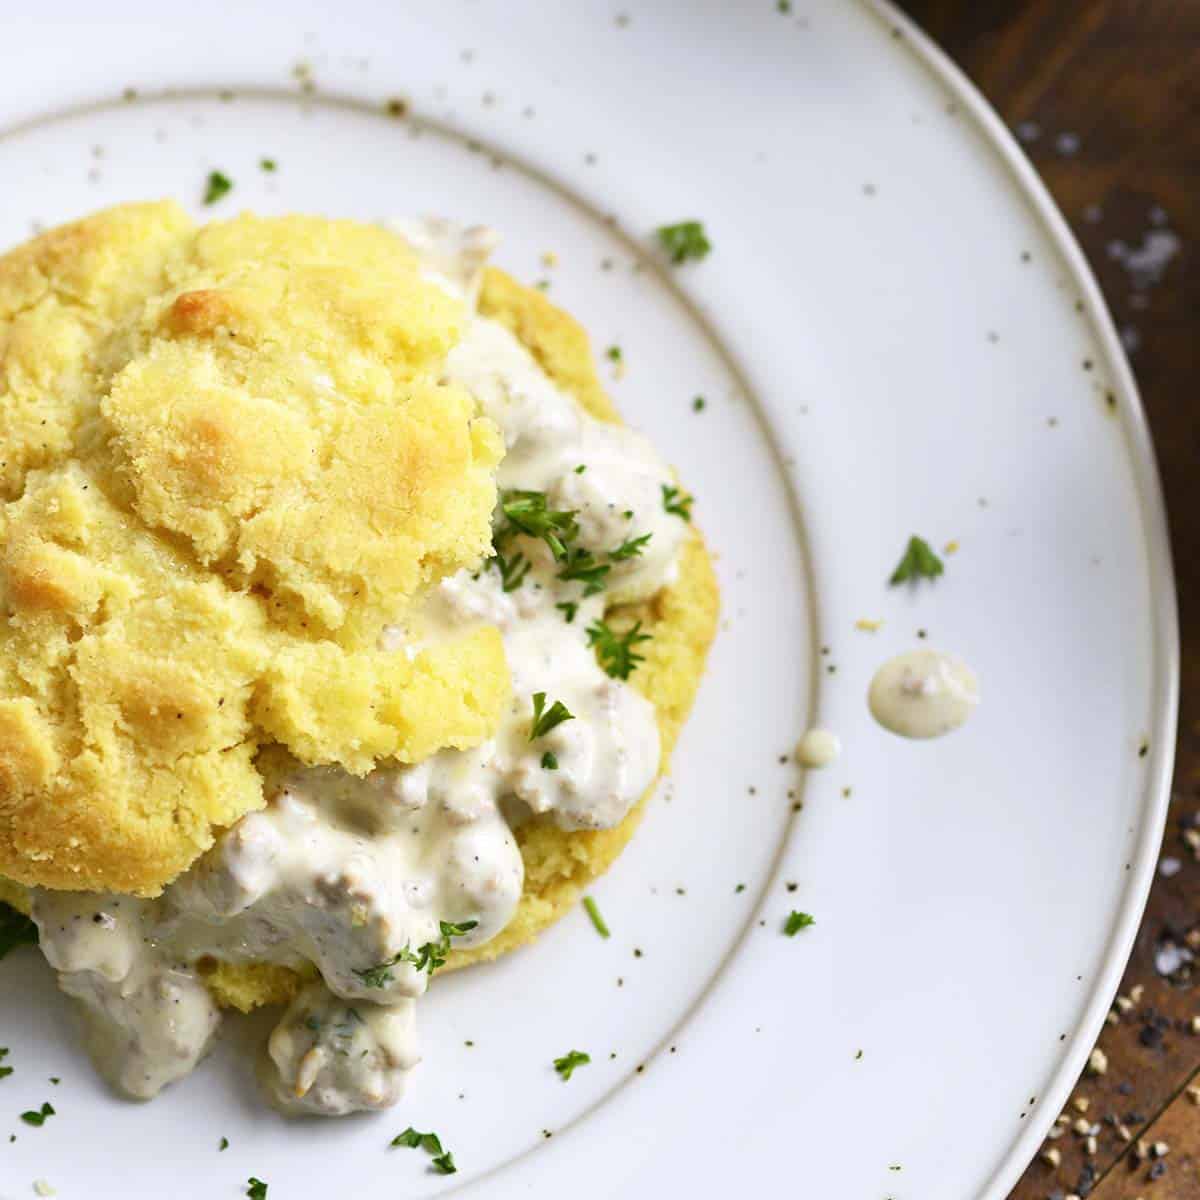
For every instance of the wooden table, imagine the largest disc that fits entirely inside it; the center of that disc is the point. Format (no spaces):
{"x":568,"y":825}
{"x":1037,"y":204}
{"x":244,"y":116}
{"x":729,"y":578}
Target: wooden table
{"x":1105,"y":94}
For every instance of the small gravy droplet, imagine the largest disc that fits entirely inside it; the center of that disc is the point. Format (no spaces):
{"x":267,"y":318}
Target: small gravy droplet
{"x":923,"y":694}
{"x":818,"y":748}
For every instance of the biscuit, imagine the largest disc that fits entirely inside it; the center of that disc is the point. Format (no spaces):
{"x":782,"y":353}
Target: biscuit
{"x":228,"y":461}
{"x":681,"y":619}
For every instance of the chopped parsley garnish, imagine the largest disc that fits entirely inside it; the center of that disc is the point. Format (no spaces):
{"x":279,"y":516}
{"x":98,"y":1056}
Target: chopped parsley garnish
{"x":546,"y":719}
{"x":39,"y":1116}
{"x":579,"y":470}
{"x":428,"y":957}
{"x":698,"y":404}
{"x":415,"y":1140}
{"x":256,"y":1189}
{"x":741,"y":887}
{"x":568,"y":609}
{"x":580,"y":565}
{"x":5,"y":1072}
{"x":677,"y":503}
{"x":615,"y":651}
{"x":566,"y":1065}
{"x":443,"y":1160}
{"x":597,"y":920}
{"x":550,"y":761}
{"x":380,"y":975}
{"x":797,"y":921}
{"x":218,"y":185}
{"x":223,"y":1144}
{"x":16,"y":929}
{"x":512,"y":570}
{"x":630,"y":548}
{"x":267,"y":164}
{"x":613,"y":354}
{"x":919,"y":562}
{"x":527,"y":512}
{"x":683,"y":241}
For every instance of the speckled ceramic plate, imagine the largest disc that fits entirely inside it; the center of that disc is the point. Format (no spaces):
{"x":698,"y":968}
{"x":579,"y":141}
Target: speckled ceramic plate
{"x":894,"y":334}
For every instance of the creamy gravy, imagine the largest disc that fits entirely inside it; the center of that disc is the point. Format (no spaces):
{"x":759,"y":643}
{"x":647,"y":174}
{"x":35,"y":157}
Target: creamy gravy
{"x":923,"y":694}
{"x":359,"y":876}
{"x":818,"y":748}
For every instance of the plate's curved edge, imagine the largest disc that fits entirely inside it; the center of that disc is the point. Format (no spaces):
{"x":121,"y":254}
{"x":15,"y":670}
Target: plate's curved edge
{"x":1165,"y":692}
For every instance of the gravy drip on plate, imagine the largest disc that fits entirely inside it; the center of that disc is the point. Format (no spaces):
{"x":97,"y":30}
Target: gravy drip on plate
{"x":362,"y":884}
{"x":923,"y":694}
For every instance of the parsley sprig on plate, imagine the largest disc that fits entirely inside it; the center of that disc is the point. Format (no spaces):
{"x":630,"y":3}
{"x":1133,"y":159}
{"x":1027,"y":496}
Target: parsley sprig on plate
{"x":442,"y":1160}
{"x":566,"y":1065}
{"x":918,"y":562}
{"x":683,"y":241}
{"x":797,"y":921}
{"x":217,"y":185}
{"x":593,"y":912}
{"x":38,"y":1116}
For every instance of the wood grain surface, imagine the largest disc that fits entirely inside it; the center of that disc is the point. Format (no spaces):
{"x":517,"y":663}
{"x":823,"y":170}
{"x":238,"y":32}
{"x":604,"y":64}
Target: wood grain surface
{"x":1105,"y":96}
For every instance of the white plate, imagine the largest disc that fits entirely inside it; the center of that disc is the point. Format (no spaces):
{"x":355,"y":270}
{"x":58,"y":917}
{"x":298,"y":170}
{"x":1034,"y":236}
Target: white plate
{"x":895,"y":334}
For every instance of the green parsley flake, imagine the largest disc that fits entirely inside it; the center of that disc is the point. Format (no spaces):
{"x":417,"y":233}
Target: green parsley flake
{"x":545,"y":719}
{"x":580,"y":565}
{"x":630,"y":548}
{"x":613,"y":354}
{"x":683,"y":241}
{"x":5,"y":1072}
{"x":16,"y":929}
{"x":568,"y":610}
{"x":443,"y":1160}
{"x":512,"y":570}
{"x":698,"y":404}
{"x":218,"y":185}
{"x":416,"y":1140}
{"x":615,"y":651}
{"x":566,"y":1065}
{"x":256,"y":1189}
{"x":428,"y":957}
{"x":597,"y":920}
{"x":223,"y":1144}
{"x":677,"y":503}
{"x":919,"y":562}
{"x":579,"y":470}
{"x":797,"y":921}
{"x":550,"y":761}
{"x":267,"y":164}
{"x":527,"y":513}
{"x":38,"y":1118}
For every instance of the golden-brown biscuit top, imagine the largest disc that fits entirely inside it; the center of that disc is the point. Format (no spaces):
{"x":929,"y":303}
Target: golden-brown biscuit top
{"x":228,"y":460}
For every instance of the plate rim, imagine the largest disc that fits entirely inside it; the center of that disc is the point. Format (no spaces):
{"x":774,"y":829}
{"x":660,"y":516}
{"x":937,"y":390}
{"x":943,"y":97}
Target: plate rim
{"x":1135,"y":429}
{"x":1164,"y":637}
